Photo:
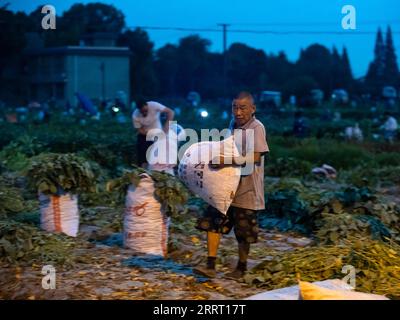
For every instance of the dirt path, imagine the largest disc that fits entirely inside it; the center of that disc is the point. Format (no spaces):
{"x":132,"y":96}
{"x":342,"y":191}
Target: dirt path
{"x":113,"y":273}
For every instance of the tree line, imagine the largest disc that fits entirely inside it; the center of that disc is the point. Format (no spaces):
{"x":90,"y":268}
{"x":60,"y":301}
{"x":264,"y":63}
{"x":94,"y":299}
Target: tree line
{"x":175,"y":69}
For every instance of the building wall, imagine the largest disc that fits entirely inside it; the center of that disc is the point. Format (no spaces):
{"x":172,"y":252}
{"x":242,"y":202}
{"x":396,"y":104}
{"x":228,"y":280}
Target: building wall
{"x":47,"y":77}
{"x":84,"y":75}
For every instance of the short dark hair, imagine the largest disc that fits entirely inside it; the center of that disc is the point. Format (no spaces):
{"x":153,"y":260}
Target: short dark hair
{"x":245,"y":95}
{"x":140,"y":103}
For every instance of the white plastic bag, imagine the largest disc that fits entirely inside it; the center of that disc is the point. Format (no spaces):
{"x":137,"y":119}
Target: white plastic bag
{"x":217,"y":187}
{"x":145,"y":223}
{"x":59,"y":213}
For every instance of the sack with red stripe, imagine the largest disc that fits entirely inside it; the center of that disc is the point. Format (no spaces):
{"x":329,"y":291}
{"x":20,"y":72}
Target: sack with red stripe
{"x":145,"y":222}
{"x":59,"y":213}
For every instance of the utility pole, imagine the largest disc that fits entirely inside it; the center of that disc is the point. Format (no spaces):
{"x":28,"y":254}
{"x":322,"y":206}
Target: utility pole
{"x":224,"y":66}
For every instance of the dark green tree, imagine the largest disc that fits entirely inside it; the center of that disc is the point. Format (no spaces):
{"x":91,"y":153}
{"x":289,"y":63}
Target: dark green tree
{"x":192,"y":56}
{"x":246,"y":68}
{"x":347,"y":75}
{"x":300,"y":86}
{"x":142,"y":73}
{"x":278,"y":70}
{"x":376,"y":70}
{"x":316,"y":62}
{"x":78,"y":21}
{"x":336,"y":69}
{"x":13,"y":28}
{"x":166,"y":64}
{"x":391,"y":70}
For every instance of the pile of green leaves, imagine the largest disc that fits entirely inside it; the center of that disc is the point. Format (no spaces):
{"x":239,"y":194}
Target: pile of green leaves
{"x":290,"y":205}
{"x":351,"y":195}
{"x":169,"y":190}
{"x":15,"y":156}
{"x":377,"y":266}
{"x":127,"y":178}
{"x":388,"y":213}
{"x":20,"y":242}
{"x":348,"y":199}
{"x":11,"y":200}
{"x":337,"y":228}
{"x":355,"y":211}
{"x":330,"y":217}
{"x":285,"y":210}
{"x":52,"y":173}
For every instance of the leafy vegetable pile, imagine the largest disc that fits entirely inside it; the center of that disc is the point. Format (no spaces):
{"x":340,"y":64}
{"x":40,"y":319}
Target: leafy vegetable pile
{"x":377,"y":266}
{"x":168,"y":189}
{"x":51,"y":173}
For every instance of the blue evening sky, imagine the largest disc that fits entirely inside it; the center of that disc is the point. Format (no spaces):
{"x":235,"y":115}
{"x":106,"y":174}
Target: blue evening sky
{"x":258,"y":15}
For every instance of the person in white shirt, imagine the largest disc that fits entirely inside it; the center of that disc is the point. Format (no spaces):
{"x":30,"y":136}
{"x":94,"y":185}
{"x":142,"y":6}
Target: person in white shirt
{"x":145,"y":118}
{"x":354,"y":133}
{"x":389,"y":127}
{"x":357,"y":133}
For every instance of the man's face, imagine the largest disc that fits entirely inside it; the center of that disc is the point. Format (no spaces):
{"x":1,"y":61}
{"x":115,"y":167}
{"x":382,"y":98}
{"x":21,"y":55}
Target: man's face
{"x":144,"y":110}
{"x":242,"y":110}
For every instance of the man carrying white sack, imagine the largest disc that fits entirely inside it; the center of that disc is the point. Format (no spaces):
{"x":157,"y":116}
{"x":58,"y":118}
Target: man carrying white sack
{"x":249,"y":197}
{"x":145,"y":119}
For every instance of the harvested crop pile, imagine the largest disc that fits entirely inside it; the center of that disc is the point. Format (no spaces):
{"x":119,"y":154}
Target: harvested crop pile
{"x":377,"y":266}
{"x":11,"y":200}
{"x":331,"y":216}
{"x":169,"y":190}
{"x":48,"y":172}
{"x":15,"y":156}
{"x":24,"y":243}
{"x":336,"y":228}
{"x":286,"y":211}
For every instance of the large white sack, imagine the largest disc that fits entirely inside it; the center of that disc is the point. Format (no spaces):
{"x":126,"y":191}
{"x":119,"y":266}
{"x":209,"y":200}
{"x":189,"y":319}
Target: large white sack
{"x":178,"y":131}
{"x":145,"y":223}
{"x":59,"y":213}
{"x":163,"y":154}
{"x":217,"y":187}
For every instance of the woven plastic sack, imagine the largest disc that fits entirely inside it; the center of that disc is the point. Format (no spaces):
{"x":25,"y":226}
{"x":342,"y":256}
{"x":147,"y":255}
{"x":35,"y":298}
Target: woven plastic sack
{"x":217,"y":187}
{"x":145,"y":223}
{"x":59,"y":213}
